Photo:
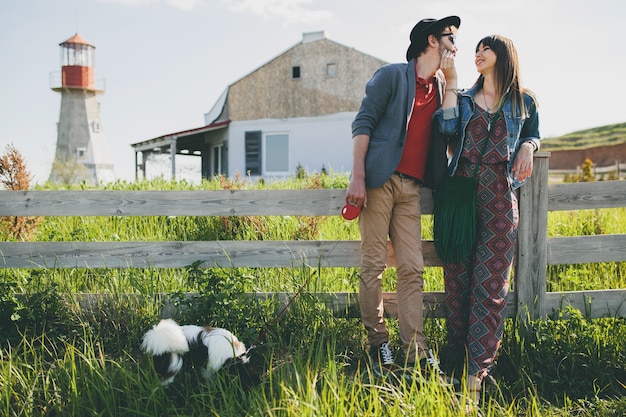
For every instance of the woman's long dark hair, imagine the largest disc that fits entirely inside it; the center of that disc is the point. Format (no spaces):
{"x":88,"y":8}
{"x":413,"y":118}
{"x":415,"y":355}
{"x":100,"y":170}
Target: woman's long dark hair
{"x":507,"y":73}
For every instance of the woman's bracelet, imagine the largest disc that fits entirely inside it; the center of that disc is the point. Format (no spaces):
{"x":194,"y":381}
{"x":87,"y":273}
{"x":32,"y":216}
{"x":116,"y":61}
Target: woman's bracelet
{"x":531,"y":143}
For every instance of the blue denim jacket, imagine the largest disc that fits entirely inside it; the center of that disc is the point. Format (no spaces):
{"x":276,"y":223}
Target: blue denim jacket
{"x":454,"y":121}
{"x":384,"y":116}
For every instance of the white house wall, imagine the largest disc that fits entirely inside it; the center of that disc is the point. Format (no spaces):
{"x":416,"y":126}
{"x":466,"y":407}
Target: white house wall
{"x":314,"y":142}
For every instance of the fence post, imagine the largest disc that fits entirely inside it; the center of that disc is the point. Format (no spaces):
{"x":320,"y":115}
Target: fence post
{"x":532,"y":258}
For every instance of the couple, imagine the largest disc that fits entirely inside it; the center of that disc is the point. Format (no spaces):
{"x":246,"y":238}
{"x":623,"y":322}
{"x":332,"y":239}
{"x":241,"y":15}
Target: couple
{"x":411,"y":115}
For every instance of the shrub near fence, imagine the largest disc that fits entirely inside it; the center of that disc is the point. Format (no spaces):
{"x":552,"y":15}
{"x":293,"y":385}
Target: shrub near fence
{"x":529,"y":299}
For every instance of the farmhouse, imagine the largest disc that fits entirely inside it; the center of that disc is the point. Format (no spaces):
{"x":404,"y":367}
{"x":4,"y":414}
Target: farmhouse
{"x":294,"y":111}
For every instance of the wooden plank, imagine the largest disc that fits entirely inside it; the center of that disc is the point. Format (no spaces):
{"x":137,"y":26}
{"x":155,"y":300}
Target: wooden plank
{"x":344,"y":304}
{"x":434,"y":304}
{"x":171,"y":203}
{"x":324,"y":202}
{"x":586,"y":195}
{"x":223,"y":254}
{"x":567,"y":250}
{"x":592,"y":304}
{"x":586,"y":249}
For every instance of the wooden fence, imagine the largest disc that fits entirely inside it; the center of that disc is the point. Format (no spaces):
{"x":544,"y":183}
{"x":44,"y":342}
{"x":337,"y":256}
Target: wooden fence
{"x":535,"y":250}
{"x":599,"y":172}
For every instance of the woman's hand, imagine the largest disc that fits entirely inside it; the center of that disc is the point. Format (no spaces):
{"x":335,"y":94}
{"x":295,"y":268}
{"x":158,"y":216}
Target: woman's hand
{"x":449,"y":71}
{"x":447,"y":65}
{"x":523,"y":164}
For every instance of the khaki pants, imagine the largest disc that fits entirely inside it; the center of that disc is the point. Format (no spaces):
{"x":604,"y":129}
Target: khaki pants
{"x":393,"y":210}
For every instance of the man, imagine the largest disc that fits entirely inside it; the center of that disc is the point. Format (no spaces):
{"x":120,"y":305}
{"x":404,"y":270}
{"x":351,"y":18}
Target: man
{"x":395,"y":152}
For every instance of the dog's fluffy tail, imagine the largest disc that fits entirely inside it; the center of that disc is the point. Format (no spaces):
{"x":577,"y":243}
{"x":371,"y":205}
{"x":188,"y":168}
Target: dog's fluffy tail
{"x":166,"y":343}
{"x":165,"y":337}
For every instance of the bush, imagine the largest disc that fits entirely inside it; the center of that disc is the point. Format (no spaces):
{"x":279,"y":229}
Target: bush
{"x":40,"y":309}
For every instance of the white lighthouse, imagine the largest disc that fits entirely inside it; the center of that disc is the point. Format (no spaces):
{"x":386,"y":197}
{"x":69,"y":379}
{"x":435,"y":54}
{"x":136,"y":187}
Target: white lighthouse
{"x":81,"y":150}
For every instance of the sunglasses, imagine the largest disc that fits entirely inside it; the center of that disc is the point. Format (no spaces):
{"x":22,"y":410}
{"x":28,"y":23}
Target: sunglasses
{"x":451,"y":35}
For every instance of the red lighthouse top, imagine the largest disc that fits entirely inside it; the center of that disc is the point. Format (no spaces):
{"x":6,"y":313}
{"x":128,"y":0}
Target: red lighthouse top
{"x":77,"y":39}
{"x":77,"y":63}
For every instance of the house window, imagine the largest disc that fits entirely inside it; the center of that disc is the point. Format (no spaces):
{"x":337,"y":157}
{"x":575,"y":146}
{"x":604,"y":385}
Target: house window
{"x":295,"y":72}
{"x":277,"y":153}
{"x":217,"y":160}
{"x":253,"y":152}
{"x":331,"y":70}
{"x":266,"y":154}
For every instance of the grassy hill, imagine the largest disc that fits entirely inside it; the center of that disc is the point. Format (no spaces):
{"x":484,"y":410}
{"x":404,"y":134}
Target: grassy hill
{"x":590,"y":138}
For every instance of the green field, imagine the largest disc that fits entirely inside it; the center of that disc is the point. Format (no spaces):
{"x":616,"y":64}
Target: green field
{"x":61,"y":357}
{"x":589,"y":138}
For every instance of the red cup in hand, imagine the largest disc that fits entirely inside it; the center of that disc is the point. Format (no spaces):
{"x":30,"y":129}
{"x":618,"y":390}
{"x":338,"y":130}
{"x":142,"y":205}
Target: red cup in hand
{"x":350,"y":211}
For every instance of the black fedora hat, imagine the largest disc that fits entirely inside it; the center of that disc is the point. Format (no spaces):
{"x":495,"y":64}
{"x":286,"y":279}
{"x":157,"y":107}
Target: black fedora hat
{"x":425,"y":27}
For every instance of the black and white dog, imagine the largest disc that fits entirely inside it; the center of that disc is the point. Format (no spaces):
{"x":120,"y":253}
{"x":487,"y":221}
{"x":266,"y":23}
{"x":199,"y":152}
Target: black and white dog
{"x":206,"y":348}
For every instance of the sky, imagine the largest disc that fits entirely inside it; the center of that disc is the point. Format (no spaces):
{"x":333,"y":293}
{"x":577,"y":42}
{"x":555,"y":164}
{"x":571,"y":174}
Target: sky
{"x":166,"y":62}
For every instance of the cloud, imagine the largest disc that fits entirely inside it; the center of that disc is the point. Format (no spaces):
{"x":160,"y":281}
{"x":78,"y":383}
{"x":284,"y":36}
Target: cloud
{"x":128,"y":2}
{"x":289,"y":11}
{"x":184,"y":5}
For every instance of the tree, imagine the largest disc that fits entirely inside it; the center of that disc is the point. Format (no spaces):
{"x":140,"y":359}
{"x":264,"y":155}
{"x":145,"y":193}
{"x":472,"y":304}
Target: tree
{"x":13,"y":172}
{"x":14,"y":176}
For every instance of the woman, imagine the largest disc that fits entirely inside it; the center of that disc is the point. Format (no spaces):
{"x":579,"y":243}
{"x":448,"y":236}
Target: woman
{"x":497,"y":125}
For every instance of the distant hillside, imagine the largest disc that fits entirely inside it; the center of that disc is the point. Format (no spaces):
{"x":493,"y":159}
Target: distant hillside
{"x":598,"y":136}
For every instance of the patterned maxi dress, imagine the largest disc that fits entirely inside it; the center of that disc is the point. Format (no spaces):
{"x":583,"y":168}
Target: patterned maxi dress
{"x":476,"y":288}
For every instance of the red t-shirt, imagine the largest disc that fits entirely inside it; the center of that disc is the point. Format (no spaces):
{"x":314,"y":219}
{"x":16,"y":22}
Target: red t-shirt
{"x":413,"y":161}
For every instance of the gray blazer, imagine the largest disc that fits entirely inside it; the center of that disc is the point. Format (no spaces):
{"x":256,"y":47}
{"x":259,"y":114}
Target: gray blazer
{"x":384,"y":117}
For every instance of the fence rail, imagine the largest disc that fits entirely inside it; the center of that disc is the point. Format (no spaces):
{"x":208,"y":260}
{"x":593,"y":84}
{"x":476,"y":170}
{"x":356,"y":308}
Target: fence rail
{"x":535,"y":250}
{"x":617,"y":168}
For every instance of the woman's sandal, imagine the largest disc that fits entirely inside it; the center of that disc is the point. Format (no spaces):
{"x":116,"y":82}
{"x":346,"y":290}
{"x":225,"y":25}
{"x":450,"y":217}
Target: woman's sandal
{"x":474,"y":393}
{"x":469,"y":401}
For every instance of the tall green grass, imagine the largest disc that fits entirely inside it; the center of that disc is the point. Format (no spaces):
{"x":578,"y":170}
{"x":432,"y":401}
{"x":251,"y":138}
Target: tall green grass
{"x":314,"y":366}
{"x":61,"y":355}
{"x":594,"y":276}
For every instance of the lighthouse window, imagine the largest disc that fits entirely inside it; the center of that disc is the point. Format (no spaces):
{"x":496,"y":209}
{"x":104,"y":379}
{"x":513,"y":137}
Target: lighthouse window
{"x":80,"y":153}
{"x":81,"y":56}
{"x":95,"y":126}
{"x":76,"y":54}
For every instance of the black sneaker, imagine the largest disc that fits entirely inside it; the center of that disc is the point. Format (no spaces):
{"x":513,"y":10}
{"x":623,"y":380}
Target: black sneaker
{"x":382,"y":359}
{"x":430,"y":365}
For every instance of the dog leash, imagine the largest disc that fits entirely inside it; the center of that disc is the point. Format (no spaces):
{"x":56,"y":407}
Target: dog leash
{"x":280,"y":313}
